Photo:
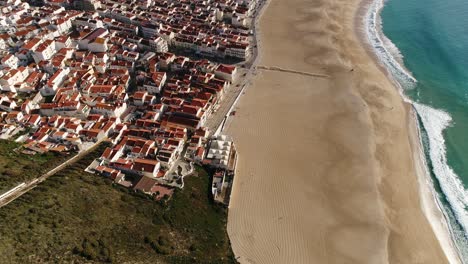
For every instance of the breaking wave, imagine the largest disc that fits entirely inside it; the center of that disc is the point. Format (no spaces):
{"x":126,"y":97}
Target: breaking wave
{"x":434,"y":122}
{"x":385,"y":50}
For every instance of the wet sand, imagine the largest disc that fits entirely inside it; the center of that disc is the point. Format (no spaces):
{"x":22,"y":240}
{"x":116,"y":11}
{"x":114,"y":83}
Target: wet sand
{"x":326,"y":172}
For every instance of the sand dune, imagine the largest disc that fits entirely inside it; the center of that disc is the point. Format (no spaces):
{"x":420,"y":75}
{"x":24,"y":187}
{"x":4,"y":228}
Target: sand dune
{"x":326,"y":171}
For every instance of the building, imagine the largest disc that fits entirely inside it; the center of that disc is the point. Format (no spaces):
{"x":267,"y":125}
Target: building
{"x":222,"y":153}
{"x":98,"y":45}
{"x":226,"y":72}
{"x":158,"y":44}
{"x":12,"y":78}
{"x":55,"y":81}
{"x":91,"y":37}
{"x":44,"y":51}
{"x":10,"y":61}
{"x":154,"y":84}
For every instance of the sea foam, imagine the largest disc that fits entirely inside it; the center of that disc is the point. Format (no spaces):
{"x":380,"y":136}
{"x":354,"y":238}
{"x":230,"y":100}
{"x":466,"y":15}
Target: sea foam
{"x":434,"y":121}
{"x":386,"y":51}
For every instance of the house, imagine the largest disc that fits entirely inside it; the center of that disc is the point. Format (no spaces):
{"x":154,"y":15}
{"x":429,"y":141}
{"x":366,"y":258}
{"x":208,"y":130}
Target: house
{"x":10,"y":61}
{"x":154,"y":84}
{"x":34,"y":120}
{"x":32,"y":82}
{"x":226,"y":72}
{"x":98,"y":45}
{"x":63,"y":24}
{"x":238,"y":20}
{"x":13,"y":77}
{"x":44,"y":51}
{"x":146,"y":167}
{"x":150,"y":30}
{"x":240,"y":50}
{"x":3,"y":41}
{"x":6,"y":104}
{"x":92,"y":135}
{"x":14,"y":117}
{"x":27,"y":107}
{"x":31,"y":44}
{"x":108,"y":172}
{"x":139,"y":98}
{"x":145,"y":185}
{"x":158,"y":44}
{"x":91,"y":37}
{"x":55,"y":81}
{"x":62,"y":42}
{"x":100,"y":90}
{"x":167,"y":155}
{"x":166,"y":59}
{"x":109,"y":109}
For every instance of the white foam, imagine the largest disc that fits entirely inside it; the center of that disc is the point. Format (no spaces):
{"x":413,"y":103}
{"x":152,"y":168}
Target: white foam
{"x":435,"y":122}
{"x":387,"y":52}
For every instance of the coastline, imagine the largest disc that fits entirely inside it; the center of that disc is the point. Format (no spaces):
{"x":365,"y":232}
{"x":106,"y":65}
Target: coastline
{"x":326,"y":159}
{"x":429,"y":201}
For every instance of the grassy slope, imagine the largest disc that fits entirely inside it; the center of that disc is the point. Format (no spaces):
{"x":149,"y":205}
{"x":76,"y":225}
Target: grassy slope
{"x":76,"y":216}
{"x":17,"y":167}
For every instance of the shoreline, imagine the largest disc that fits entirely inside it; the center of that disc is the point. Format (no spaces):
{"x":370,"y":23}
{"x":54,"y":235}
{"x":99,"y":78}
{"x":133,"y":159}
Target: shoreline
{"x":430,"y":203}
{"x":304,"y":137}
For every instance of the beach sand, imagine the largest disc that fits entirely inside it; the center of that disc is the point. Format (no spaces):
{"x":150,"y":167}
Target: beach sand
{"x":326,"y":172}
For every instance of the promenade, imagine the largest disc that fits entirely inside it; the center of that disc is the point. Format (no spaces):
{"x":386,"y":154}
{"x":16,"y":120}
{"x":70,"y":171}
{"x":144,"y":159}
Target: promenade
{"x":246,"y":71}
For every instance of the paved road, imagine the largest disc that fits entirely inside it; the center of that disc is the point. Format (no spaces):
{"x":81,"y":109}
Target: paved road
{"x":228,"y":100}
{"x":33,"y":183}
{"x":243,"y":78}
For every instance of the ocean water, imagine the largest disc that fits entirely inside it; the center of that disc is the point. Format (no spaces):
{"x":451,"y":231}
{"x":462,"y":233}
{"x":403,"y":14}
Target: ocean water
{"x":425,"y":46}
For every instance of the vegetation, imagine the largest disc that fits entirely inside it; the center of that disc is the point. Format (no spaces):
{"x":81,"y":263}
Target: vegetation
{"x":78,"y":217}
{"x":16,"y":167}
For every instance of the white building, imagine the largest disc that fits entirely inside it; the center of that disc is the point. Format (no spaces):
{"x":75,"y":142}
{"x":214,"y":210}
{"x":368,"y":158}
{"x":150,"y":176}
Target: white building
{"x":98,"y":45}
{"x":44,"y":51}
{"x":63,"y":42}
{"x":240,"y":50}
{"x":91,"y":37}
{"x":63,"y":25}
{"x":220,"y":151}
{"x":158,"y":44}
{"x":55,"y":81}
{"x":13,"y":77}
{"x":10,"y":61}
{"x":109,"y":110}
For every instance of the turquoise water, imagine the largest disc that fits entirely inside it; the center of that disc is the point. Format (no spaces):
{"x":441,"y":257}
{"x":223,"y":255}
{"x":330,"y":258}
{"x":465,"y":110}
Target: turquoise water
{"x":432,"y":37}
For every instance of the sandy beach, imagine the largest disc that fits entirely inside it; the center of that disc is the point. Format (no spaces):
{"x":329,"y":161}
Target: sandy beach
{"x":326,"y":172}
